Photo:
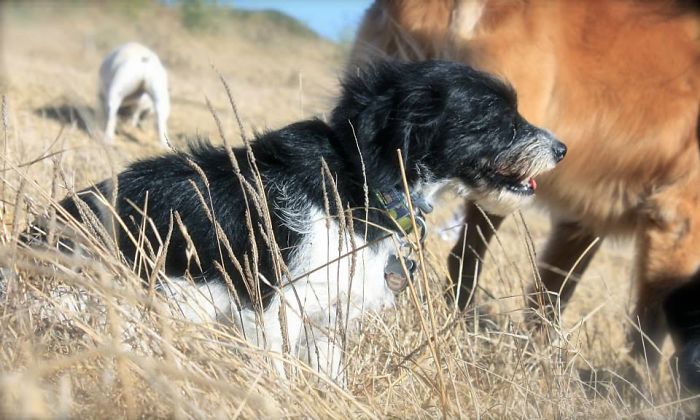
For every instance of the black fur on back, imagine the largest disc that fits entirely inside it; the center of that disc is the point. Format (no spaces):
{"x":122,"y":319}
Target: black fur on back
{"x":448,"y":120}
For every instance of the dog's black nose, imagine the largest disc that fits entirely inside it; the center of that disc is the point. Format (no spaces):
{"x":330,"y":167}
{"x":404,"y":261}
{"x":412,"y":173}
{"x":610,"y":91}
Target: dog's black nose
{"x":559,"y":150}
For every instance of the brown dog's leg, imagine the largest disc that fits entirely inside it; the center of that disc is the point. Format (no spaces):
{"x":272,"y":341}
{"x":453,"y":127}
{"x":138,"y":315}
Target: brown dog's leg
{"x":467,"y":255}
{"x":649,"y":318}
{"x":569,"y":250}
{"x":667,"y":258}
{"x":668,"y":240}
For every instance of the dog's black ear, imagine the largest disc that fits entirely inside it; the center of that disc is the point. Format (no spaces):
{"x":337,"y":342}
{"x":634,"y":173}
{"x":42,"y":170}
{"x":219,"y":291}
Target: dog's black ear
{"x":385,"y":108}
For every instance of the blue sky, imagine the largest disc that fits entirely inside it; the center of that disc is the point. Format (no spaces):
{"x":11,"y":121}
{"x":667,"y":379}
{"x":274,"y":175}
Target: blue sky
{"x":332,"y":19}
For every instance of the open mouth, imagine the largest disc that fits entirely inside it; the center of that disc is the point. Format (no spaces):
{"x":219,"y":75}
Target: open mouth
{"x":518,"y":185}
{"x":501,"y":193}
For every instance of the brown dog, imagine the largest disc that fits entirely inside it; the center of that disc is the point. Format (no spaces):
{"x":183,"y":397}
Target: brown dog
{"x":619,"y":82}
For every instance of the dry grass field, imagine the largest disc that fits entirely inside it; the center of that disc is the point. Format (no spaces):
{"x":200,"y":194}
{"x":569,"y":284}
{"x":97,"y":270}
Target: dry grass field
{"x":83,"y":338}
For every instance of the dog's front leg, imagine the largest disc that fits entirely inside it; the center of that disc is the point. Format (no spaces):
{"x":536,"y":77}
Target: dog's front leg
{"x":277,"y":331}
{"x":321,"y":348}
{"x":668,"y":257}
{"x":327,"y":359}
{"x":320,"y":343}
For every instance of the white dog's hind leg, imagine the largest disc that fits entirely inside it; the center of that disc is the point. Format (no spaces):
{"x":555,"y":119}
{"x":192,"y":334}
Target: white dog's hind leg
{"x":136,"y":118}
{"x":143,"y":107}
{"x":111,"y":109}
{"x":158,"y":93}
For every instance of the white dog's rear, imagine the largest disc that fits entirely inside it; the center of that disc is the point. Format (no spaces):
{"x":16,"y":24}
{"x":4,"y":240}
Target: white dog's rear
{"x":133,"y":76}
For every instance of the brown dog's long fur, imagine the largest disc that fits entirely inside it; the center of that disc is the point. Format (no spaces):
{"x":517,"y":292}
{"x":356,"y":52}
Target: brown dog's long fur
{"x":619,"y":82}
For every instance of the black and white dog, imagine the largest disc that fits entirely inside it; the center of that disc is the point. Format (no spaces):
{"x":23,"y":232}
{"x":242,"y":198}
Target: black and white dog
{"x":288,"y":238}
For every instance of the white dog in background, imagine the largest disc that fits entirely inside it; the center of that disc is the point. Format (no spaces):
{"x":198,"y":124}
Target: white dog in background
{"x":133,"y":79}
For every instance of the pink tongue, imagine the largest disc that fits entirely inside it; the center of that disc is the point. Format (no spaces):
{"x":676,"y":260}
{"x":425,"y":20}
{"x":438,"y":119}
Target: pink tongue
{"x":533,"y":184}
